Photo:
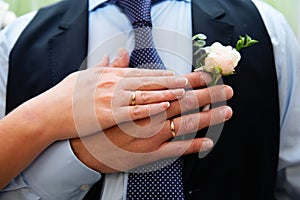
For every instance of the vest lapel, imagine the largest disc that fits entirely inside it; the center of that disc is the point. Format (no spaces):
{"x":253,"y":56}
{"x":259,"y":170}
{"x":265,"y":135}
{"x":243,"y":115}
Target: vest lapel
{"x":65,"y":55}
{"x":207,"y":18}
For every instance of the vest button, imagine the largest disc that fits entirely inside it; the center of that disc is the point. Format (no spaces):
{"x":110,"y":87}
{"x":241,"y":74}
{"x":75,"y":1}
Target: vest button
{"x":85,"y":187}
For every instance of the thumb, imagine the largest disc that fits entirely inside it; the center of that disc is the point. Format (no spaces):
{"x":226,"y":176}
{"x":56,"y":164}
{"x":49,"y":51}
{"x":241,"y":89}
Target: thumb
{"x":122,"y":61}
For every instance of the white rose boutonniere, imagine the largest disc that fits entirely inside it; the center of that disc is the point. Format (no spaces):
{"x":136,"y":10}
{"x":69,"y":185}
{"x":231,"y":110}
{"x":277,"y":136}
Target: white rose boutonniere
{"x":217,"y":59}
{"x":6,"y":16}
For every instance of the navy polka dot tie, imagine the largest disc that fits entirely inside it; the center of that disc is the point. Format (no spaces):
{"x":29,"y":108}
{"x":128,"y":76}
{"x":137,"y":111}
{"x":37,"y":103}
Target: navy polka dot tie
{"x":144,"y":54}
{"x":153,"y":181}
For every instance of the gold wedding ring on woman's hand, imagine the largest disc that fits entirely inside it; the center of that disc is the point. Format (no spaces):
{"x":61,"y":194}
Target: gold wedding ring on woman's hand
{"x":133,"y":98}
{"x":146,"y":97}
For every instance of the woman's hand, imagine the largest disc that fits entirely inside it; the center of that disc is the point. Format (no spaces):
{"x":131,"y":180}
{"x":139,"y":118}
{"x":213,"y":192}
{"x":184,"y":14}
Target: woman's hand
{"x":98,"y":98}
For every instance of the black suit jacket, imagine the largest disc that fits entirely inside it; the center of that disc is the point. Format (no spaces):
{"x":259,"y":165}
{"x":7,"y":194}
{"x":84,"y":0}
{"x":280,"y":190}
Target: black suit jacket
{"x":243,"y":163}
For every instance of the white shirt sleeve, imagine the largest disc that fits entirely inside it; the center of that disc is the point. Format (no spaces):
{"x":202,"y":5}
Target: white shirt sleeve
{"x":287,"y":60}
{"x":56,"y":173}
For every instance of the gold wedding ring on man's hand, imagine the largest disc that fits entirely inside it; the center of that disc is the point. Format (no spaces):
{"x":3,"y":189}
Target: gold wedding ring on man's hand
{"x":172,"y":125}
{"x":132,"y":98}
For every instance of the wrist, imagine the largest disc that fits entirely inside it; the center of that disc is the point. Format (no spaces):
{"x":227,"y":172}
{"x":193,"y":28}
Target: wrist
{"x":83,"y":154}
{"x":33,"y":117}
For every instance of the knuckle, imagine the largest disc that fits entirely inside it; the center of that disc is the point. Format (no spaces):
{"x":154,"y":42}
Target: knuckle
{"x":105,"y":97}
{"x":189,"y":101}
{"x":169,"y":94}
{"x":145,"y":97}
{"x":206,"y":119}
{"x":169,"y":81}
{"x":146,"y":83}
{"x":215,"y":94}
{"x":107,"y":83}
{"x":136,"y":73}
{"x":136,"y":111}
{"x":189,"y":124}
{"x":179,"y":150}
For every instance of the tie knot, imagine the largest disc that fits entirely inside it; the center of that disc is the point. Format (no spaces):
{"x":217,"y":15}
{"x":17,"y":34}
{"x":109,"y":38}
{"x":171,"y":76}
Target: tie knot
{"x":138,"y":11}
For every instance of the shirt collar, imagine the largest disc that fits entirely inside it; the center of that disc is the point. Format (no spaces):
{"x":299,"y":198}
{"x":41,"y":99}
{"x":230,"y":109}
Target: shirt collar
{"x":94,"y":3}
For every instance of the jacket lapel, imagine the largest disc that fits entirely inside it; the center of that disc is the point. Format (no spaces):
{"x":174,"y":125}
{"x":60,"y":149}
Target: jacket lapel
{"x":209,"y":18}
{"x":65,"y":55}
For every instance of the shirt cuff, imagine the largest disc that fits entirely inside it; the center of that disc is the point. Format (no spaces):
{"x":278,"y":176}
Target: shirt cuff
{"x":58,"y":174}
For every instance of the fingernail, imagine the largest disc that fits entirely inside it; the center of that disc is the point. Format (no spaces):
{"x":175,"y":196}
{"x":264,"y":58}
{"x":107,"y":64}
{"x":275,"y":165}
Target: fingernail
{"x":179,"y":93}
{"x":182,"y":81}
{"x":207,"y":144}
{"x":229,"y":91}
{"x":226,"y":111}
{"x":166,"y":105}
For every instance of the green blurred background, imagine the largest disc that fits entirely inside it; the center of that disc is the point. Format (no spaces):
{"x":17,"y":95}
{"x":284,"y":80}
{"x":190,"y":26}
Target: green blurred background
{"x":290,"y":8}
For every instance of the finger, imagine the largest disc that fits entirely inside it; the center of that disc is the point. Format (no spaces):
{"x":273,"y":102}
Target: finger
{"x":183,"y":125}
{"x":179,"y":148}
{"x":131,"y":113}
{"x":147,"y":97}
{"x":122,"y":60}
{"x":160,"y":129}
{"x":191,"y":123}
{"x":194,"y":99}
{"x":198,"y":79}
{"x":154,"y":83}
{"x":135,"y":72}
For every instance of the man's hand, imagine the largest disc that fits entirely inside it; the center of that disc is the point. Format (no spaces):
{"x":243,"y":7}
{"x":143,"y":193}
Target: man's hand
{"x":131,"y":144}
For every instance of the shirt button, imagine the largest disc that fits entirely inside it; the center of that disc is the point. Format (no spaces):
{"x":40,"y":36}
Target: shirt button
{"x":85,"y":187}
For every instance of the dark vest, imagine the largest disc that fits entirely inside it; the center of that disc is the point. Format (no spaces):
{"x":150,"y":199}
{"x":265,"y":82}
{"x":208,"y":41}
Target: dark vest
{"x":243,"y":163}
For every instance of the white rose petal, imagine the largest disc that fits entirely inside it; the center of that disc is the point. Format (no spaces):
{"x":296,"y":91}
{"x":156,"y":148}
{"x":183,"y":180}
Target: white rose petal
{"x":9,"y":18}
{"x":224,"y":57}
{"x":3,"y":6}
{"x":6,"y":16}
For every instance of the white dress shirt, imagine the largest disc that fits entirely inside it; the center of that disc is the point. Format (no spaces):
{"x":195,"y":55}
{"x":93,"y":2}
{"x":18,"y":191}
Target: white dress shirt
{"x":58,"y":174}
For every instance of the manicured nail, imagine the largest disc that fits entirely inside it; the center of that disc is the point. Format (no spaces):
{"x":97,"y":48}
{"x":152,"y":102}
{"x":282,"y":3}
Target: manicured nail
{"x":179,"y":93}
{"x":166,"y":105}
{"x":207,"y":144}
{"x":182,"y":81}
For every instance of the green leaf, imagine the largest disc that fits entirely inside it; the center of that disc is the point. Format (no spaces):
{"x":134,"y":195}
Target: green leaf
{"x":199,"y":36}
{"x":244,"y":42}
{"x":200,"y":43}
